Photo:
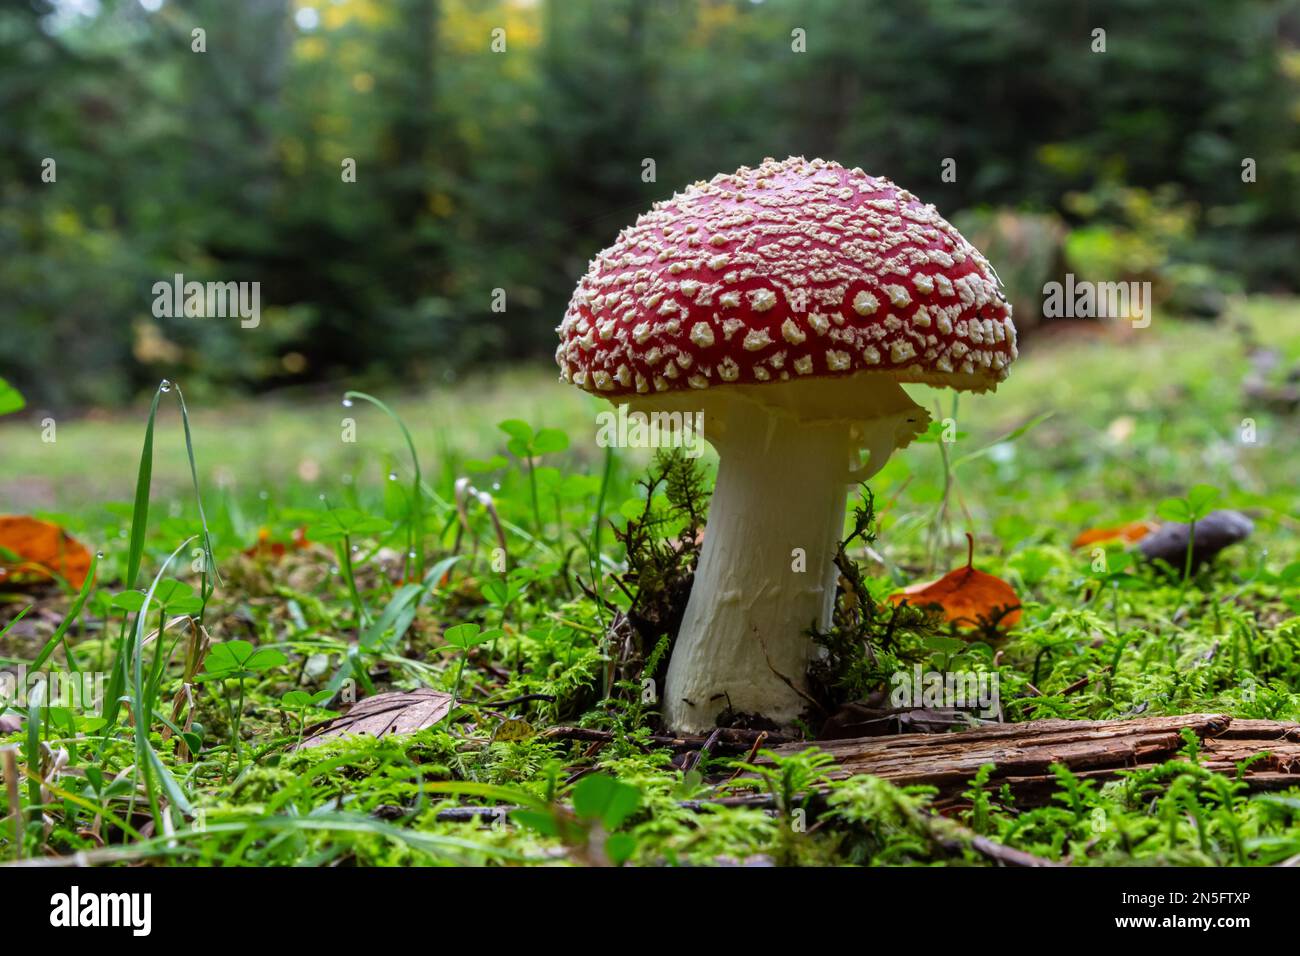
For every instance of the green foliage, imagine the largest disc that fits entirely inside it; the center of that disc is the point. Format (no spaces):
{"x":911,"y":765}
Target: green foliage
{"x":885,"y":825}
{"x":300,"y":699}
{"x":605,"y":800}
{"x":1190,"y":509}
{"x":868,"y":640}
{"x":600,"y":805}
{"x":11,"y":400}
{"x":660,"y":536}
{"x":1195,"y":506}
{"x":478,"y":172}
{"x":240,"y":659}
{"x":171,"y":595}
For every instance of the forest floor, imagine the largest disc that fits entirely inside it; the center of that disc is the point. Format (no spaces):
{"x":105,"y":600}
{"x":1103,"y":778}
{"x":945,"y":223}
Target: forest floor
{"x":345,"y":572}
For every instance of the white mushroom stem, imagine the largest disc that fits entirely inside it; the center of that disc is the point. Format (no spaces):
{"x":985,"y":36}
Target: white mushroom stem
{"x":766,"y":573}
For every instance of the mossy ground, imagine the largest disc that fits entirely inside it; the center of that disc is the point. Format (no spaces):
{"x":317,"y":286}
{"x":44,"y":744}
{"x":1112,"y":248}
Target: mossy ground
{"x":1135,"y":418}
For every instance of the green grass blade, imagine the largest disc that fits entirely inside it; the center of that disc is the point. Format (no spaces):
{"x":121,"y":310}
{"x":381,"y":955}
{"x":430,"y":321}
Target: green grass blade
{"x":74,"y":610}
{"x":142,"y":708}
{"x":135,"y":555}
{"x":1009,"y":436}
{"x":140,"y":510}
{"x":211,"y":576}
{"x":417,"y":498}
{"x":34,"y":726}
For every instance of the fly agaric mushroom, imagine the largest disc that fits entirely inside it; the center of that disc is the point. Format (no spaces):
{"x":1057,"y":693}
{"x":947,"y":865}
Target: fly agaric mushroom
{"x":787,"y":303}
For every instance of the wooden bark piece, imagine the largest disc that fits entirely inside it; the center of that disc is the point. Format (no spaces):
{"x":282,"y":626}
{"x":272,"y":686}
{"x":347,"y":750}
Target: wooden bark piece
{"x":1097,"y":749}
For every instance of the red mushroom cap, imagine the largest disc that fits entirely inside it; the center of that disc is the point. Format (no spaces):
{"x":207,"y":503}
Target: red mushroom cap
{"x":795,"y":269}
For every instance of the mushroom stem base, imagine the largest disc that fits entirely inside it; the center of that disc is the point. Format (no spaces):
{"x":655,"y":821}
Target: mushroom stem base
{"x":766,"y":572}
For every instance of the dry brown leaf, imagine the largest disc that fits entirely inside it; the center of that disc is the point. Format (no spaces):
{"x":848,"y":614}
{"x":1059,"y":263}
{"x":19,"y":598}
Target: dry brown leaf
{"x":398,"y":712}
{"x":966,"y":595}
{"x":1133,"y":531}
{"x":42,"y":551}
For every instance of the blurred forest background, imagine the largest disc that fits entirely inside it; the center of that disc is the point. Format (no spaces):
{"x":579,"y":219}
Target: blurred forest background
{"x":479,"y":170}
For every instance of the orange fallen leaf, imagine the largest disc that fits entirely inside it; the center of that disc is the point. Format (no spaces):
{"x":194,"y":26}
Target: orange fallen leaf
{"x":1133,"y":531}
{"x":35,"y":550}
{"x":266,"y":548}
{"x":966,"y":595}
